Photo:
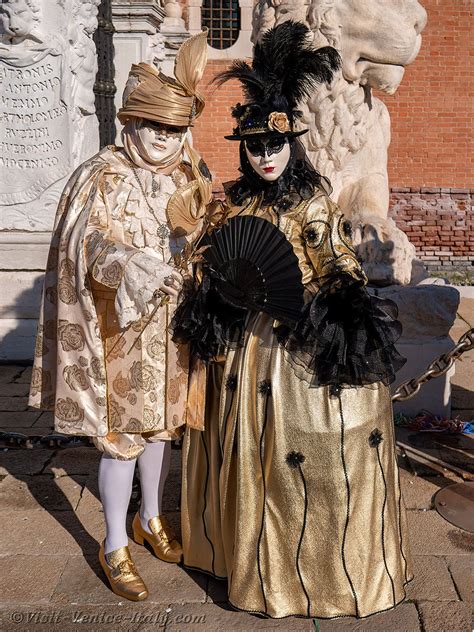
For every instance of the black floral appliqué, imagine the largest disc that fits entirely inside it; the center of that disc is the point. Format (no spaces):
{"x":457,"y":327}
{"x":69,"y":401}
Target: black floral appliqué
{"x":284,"y":204}
{"x":347,"y":228}
{"x":375,"y":438}
{"x":294,"y":459}
{"x":231,"y":382}
{"x":265,"y":387}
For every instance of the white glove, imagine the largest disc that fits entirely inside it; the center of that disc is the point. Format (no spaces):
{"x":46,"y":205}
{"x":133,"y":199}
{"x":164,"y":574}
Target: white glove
{"x":143,"y":276}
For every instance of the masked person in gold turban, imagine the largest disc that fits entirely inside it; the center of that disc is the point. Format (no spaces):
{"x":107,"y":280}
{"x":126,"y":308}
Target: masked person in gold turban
{"x":104,"y":361}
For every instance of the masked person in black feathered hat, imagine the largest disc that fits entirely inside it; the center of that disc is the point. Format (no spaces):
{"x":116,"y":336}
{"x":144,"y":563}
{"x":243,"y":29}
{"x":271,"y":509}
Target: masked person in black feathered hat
{"x":285,"y":69}
{"x":290,"y":486}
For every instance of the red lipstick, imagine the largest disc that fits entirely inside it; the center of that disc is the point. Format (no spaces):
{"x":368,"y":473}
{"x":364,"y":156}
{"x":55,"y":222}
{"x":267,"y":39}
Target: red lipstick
{"x":269,"y":169}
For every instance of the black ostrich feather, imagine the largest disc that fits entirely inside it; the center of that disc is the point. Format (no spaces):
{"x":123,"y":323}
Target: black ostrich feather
{"x":285,"y":67}
{"x":253,"y":86}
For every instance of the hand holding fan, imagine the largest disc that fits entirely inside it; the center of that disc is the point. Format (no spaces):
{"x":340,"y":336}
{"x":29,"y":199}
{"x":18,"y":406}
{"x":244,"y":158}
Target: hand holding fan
{"x":254,"y":266}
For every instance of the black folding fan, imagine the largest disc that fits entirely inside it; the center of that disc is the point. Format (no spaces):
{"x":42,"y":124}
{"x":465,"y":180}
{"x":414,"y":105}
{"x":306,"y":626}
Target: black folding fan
{"x":254,"y":266}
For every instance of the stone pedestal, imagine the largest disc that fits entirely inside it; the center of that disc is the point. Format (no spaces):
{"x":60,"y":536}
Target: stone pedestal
{"x":427,"y":313}
{"x":47,"y":128}
{"x":22,"y":258}
{"x":174,"y":33}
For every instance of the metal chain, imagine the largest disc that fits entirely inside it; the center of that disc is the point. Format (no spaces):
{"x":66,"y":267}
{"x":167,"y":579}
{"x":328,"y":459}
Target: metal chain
{"x":438,"y":367}
{"x":163,"y":231}
{"x":53,"y":441}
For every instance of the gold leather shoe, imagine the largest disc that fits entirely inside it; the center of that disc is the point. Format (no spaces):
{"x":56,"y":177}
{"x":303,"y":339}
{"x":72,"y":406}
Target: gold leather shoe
{"x":122,"y":574}
{"x":161,"y":538}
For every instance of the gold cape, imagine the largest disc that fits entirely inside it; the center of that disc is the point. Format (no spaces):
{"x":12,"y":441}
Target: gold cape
{"x":95,"y":377}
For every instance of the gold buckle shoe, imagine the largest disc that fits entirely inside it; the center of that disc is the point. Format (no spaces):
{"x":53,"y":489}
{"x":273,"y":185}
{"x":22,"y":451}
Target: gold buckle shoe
{"x":122,"y":574}
{"x":161,"y":539}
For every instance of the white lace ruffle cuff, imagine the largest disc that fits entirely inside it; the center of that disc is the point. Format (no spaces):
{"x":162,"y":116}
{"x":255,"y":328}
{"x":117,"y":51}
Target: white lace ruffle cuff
{"x":143,"y":275}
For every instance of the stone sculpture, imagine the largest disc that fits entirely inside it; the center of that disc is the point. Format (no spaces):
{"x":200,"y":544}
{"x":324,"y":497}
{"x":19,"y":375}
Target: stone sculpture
{"x":18,"y":21}
{"x":47,"y":67}
{"x":47,"y":127}
{"x":350,"y":127}
{"x":84,"y":70}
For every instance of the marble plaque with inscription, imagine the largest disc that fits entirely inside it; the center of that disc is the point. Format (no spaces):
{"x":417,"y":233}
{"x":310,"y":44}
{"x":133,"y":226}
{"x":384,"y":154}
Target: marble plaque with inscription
{"x":34,"y":129}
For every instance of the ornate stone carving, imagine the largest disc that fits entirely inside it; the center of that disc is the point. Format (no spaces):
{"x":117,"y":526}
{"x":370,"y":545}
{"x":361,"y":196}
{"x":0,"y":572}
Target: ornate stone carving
{"x":34,"y":145}
{"x":47,"y":69}
{"x":349,"y":127}
{"x":155,"y":52}
{"x":83,"y":66}
{"x":47,"y":127}
{"x":173,"y":11}
{"x":19,"y":21}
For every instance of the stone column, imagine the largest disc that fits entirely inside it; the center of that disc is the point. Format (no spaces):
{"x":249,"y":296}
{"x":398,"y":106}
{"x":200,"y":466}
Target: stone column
{"x":145,"y":30}
{"x":47,"y":128}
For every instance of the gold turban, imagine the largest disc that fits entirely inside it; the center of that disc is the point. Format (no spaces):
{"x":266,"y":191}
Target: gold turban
{"x":156,"y":97}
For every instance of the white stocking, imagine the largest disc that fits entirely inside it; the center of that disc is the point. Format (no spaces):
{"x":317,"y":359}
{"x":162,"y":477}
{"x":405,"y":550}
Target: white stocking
{"x":154,"y":465}
{"x":115,"y":488}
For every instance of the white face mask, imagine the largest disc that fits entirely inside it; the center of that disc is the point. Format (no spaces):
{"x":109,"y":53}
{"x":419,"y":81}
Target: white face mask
{"x":161,"y":142}
{"x":268,"y":156}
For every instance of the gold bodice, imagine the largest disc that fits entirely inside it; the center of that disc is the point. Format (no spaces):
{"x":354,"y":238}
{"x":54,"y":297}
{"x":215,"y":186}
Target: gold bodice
{"x":319,"y":233}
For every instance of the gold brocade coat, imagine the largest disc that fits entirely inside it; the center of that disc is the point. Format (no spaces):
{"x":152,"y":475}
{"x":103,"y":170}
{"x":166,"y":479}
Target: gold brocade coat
{"x":97,"y":378}
{"x":291,"y":493}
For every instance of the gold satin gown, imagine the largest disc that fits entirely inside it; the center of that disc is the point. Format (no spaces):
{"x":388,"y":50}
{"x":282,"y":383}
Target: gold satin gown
{"x":292,"y":493}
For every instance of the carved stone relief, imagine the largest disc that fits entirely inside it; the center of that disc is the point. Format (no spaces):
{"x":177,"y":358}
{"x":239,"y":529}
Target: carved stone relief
{"x":48,"y":126}
{"x":47,"y":115}
{"x":34,"y":139}
{"x":34,"y":145}
{"x":349,"y":127}
{"x":83,"y":65}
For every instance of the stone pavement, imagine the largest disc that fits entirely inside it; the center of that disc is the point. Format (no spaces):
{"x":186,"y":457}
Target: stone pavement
{"x":51,"y":523}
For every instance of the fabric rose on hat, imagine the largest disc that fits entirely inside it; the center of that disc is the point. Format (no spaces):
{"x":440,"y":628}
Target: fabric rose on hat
{"x":278,"y":121}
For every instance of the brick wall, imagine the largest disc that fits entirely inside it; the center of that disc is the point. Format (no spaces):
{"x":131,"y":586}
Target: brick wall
{"x":431,"y":159}
{"x":439,"y":222}
{"x":221,"y":155}
{"x":432,"y":112}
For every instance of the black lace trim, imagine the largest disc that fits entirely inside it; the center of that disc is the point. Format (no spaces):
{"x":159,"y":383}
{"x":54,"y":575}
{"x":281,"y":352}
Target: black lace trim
{"x":207,"y":322}
{"x":345,"y":337}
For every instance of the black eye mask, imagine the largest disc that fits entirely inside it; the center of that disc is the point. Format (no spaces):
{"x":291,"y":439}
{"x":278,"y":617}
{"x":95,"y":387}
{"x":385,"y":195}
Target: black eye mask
{"x":165,"y":130}
{"x":269,"y":147}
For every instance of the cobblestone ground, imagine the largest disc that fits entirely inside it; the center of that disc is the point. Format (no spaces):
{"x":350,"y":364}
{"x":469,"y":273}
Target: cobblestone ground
{"x":51,"y":523}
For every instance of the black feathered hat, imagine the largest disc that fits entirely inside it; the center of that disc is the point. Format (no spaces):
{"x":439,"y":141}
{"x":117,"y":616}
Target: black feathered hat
{"x":285,"y":69}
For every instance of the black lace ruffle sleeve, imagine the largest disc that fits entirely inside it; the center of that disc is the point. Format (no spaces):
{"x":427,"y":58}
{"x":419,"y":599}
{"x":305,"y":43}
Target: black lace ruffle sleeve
{"x":206,"y":321}
{"x":345,"y":337}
